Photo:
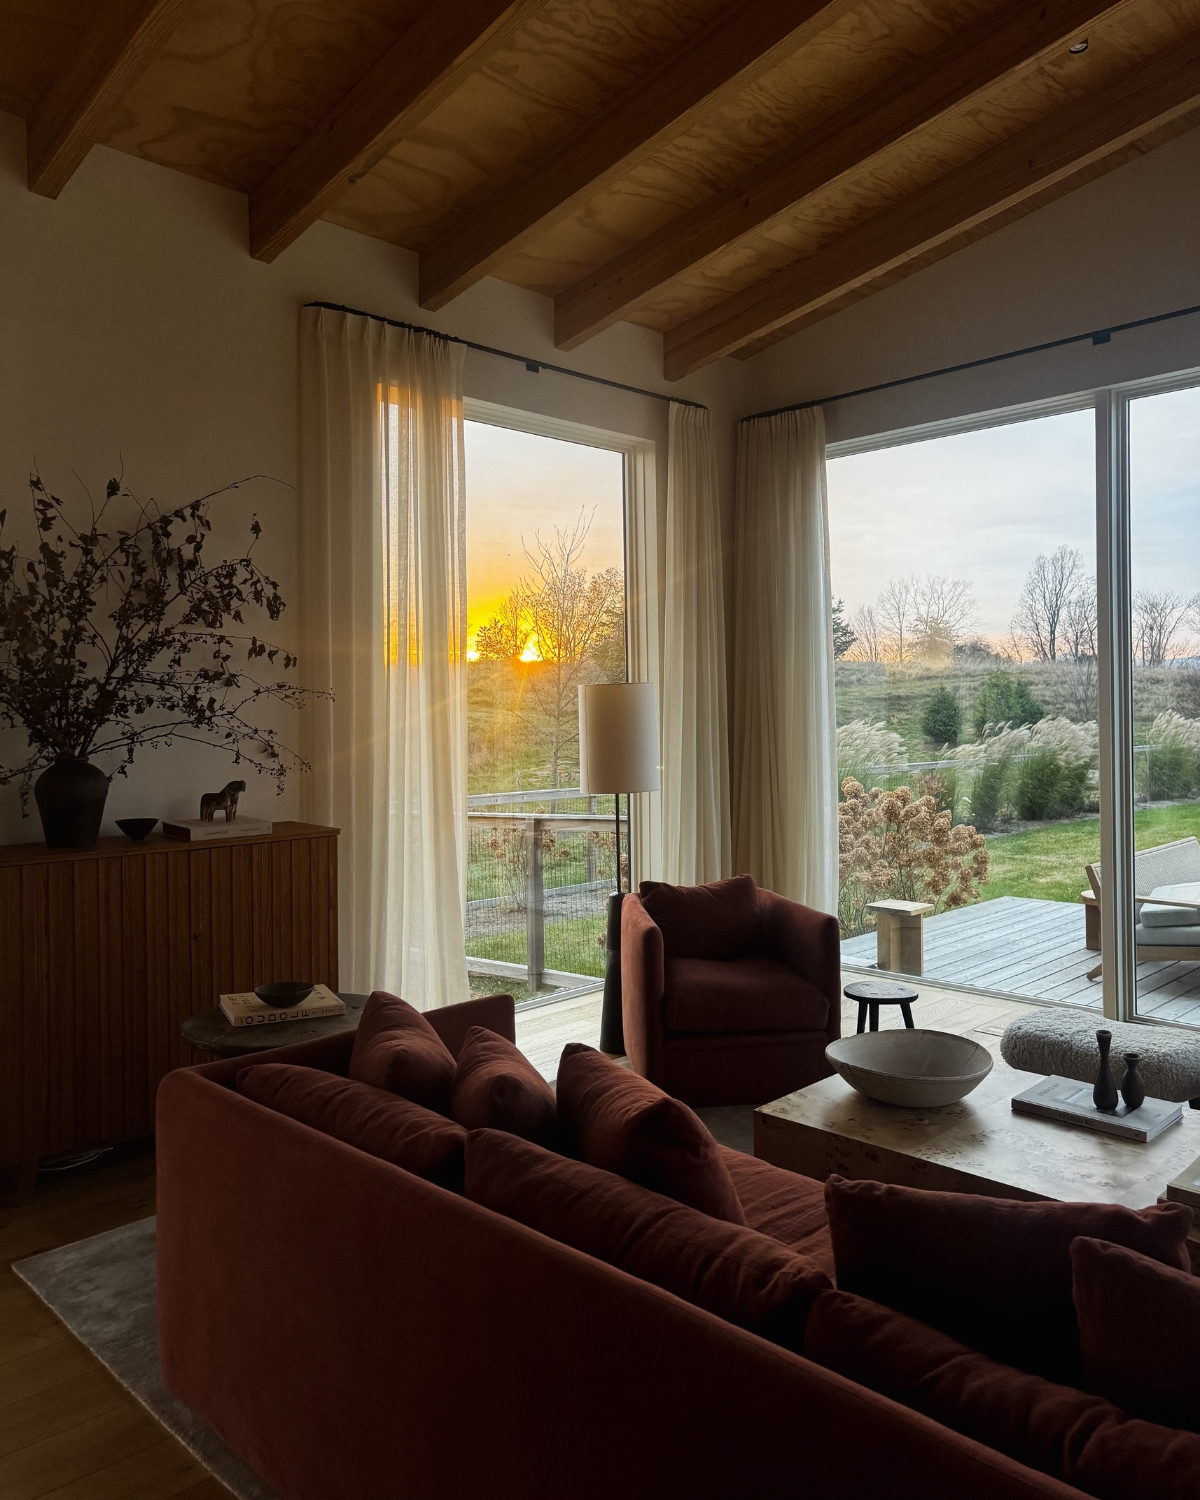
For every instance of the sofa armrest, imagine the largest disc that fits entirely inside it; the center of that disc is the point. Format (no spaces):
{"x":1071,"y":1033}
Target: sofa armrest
{"x":331,"y":1054}
{"x":642,"y":986}
{"x":808,"y":941}
{"x":496,"y":1013}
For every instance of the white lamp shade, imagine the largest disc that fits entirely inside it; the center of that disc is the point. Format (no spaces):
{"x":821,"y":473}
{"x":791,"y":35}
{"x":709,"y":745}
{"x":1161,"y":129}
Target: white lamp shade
{"x":618,"y":737}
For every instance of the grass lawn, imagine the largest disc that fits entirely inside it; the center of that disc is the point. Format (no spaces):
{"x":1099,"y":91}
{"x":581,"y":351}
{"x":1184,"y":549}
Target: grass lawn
{"x":1048,"y":862}
{"x":571,"y":946}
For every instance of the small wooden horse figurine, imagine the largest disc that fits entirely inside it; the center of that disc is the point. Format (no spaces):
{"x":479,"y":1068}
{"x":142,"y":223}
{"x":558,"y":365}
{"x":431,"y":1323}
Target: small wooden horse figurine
{"x":211,"y":802}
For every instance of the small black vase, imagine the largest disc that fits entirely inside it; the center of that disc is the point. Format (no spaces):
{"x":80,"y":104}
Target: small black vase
{"x":70,"y":797}
{"x":1104,"y":1095}
{"x":1132,"y":1091}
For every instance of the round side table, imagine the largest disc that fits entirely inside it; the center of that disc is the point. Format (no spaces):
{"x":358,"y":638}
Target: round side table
{"x":872,"y":993}
{"x":209,"y":1031}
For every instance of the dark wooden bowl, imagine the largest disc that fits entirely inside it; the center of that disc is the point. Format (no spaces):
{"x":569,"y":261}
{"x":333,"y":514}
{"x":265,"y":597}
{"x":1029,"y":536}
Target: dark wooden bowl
{"x":136,"y":828}
{"x":290,"y":992}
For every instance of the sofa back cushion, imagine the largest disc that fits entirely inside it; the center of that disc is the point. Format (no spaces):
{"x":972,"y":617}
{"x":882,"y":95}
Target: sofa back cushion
{"x":719,"y":920}
{"x":1079,"y":1438}
{"x":395,"y":1048}
{"x":740,"y":1275}
{"x":613,"y":1119}
{"x":1139,"y":1328}
{"x":994,"y":1273}
{"x":497,"y":1087}
{"x":374,"y":1120}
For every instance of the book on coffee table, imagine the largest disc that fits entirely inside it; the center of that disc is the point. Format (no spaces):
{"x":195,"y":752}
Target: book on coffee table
{"x":246,"y":1009}
{"x":1186,"y":1187}
{"x":1070,"y":1102}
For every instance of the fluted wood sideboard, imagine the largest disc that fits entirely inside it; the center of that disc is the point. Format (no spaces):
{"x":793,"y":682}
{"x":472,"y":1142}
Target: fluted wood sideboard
{"x":105,"y":952}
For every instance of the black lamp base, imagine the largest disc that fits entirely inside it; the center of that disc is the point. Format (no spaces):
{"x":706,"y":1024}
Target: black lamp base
{"x":612,"y":1031}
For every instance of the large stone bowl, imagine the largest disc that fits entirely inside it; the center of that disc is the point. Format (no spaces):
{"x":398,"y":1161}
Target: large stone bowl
{"x":916,"y":1069}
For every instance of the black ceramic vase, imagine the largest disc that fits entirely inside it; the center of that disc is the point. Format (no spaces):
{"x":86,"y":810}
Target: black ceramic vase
{"x":70,"y":797}
{"x":1104,"y":1095}
{"x":1132,"y":1091}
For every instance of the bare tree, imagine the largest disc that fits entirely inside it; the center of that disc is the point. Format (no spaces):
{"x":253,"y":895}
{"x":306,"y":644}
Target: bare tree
{"x":943,"y":608}
{"x":1078,"y":629}
{"x":1156,"y":622}
{"x":507,"y":633}
{"x":868,"y":636}
{"x":897,"y":609}
{"x":1049,"y":587}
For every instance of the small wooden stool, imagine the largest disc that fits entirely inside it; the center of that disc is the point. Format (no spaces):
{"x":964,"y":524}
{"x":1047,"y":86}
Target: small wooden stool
{"x":900,"y":935}
{"x":872,"y":993}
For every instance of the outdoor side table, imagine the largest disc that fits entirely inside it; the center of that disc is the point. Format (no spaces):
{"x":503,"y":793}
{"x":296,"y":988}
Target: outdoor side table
{"x":872,"y":993}
{"x":899,"y":935}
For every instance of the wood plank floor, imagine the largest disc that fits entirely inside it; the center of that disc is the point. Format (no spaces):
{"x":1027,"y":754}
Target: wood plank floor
{"x":1035,"y":948}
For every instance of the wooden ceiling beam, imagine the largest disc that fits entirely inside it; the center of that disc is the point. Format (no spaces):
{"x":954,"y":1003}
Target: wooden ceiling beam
{"x":975,"y":60}
{"x":421,"y":68}
{"x":738,"y":46}
{"x":1144,"y":99}
{"x":114,"y":51}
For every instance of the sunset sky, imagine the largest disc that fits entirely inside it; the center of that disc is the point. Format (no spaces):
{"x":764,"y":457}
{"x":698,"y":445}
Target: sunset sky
{"x":519,"y":484}
{"x":982,"y":505}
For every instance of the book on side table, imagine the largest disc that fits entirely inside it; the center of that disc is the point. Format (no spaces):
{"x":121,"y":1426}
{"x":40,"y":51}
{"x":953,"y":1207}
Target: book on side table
{"x":246,"y":1009}
{"x":1070,"y":1102}
{"x":1186,"y":1187}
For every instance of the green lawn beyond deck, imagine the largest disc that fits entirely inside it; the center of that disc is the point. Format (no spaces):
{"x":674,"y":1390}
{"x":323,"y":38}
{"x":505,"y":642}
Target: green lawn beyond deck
{"x":1049,"y":862}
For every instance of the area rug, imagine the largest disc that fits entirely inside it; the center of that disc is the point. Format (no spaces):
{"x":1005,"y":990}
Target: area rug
{"x":103,"y":1290}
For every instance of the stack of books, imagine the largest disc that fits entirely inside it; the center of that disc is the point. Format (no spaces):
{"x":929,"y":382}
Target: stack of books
{"x":1186,"y":1187}
{"x":246,"y":1009}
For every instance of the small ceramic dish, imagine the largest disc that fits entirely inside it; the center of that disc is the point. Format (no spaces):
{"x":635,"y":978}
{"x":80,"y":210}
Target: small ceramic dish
{"x":290,"y":992}
{"x":136,"y":828}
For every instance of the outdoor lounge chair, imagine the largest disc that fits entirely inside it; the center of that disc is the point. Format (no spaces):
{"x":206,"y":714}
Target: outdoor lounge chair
{"x":1166,"y":884}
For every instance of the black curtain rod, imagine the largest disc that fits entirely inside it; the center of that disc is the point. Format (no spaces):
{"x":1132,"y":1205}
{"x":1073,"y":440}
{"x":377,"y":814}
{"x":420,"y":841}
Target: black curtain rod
{"x":1097,"y":336}
{"x":534,"y":366}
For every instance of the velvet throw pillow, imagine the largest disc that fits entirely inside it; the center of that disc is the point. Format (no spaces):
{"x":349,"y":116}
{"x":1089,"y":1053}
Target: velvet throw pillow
{"x":496,"y":1087}
{"x":993,"y":1273}
{"x":395,"y":1048}
{"x":1139,"y":1326}
{"x":1076,"y":1437}
{"x":719,"y":920}
{"x":740,"y":1275}
{"x":374,"y":1120}
{"x":615,"y":1120}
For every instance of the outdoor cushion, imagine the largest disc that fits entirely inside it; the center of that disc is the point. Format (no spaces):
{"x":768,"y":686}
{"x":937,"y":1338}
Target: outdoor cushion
{"x":785,"y":1205}
{"x":1060,"y":1040}
{"x":994,"y":1273}
{"x":719,"y":920}
{"x":395,"y":1048}
{"x":1079,"y":1438}
{"x":1139,"y":1326}
{"x":749,"y":994}
{"x":734,"y":1272}
{"x":1167,"y":937}
{"x":615,"y":1120}
{"x":1150,"y":915}
{"x":376,"y":1121}
{"x":497,"y":1087}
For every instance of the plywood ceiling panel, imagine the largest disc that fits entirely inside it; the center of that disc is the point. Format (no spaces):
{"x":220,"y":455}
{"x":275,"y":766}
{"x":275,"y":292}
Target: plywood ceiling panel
{"x":35,"y":36}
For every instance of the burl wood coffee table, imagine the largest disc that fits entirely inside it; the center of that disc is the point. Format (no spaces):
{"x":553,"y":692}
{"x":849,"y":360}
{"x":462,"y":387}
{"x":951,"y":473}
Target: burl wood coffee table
{"x":975,"y":1146}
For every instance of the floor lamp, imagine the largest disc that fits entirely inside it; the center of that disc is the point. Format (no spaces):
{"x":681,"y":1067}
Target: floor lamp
{"x":618,"y":752}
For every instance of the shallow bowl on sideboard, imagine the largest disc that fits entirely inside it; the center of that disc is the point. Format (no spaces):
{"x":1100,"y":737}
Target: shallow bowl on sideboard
{"x":916,"y":1069}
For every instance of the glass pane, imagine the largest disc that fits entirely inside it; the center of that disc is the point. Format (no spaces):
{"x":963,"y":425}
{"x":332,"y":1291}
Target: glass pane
{"x":965,"y":622}
{"x":545,"y":612}
{"x":1165,"y":534}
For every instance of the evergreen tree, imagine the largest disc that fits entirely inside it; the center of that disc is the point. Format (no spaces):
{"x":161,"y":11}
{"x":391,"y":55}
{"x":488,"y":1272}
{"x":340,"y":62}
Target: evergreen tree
{"x":941,"y":723}
{"x":1005,"y":699}
{"x":843,"y":635}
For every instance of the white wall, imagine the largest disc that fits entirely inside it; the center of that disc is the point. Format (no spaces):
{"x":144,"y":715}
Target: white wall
{"x":136,"y":331}
{"x":1123,"y":247}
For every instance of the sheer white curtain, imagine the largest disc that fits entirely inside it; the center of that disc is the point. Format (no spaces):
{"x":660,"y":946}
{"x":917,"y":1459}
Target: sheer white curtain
{"x":784,"y":734}
{"x":383,"y":566}
{"x":695,"y":737}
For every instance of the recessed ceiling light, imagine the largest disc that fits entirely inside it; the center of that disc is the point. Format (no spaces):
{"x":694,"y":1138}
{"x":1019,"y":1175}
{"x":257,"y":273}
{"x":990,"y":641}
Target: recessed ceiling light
{"x":1078,"y":47}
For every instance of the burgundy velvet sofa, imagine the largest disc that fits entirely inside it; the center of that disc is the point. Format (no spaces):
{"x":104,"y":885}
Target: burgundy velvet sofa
{"x":356,"y":1333}
{"x":732,"y":995}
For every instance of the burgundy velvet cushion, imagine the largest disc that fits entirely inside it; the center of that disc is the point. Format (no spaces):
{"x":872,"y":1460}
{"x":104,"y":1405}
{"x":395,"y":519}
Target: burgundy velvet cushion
{"x":782,"y":1204}
{"x":617,"y":1121}
{"x":745,"y":994}
{"x":376,"y":1121}
{"x":395,"y":1048}
{"x":720,"y":920}
{"x":497,"y":1087}
{"x":1139,"y":1327}
{"x":1076,"y":1437}
{"x":734,"y":1272}
{"x":992,"y":1272}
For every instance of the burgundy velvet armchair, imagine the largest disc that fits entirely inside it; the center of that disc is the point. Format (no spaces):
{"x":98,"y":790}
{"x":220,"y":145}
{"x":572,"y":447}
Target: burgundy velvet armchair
{"x":729,"y":994}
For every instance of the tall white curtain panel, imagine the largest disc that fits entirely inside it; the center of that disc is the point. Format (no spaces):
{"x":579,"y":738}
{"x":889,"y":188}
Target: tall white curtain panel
{"x":784,"y":734}
{"x":695,"y":730}
{"x":383,"y":563}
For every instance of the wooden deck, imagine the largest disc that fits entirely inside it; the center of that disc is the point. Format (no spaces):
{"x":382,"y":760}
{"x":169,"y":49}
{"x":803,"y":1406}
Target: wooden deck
{"x":1035,"y":950}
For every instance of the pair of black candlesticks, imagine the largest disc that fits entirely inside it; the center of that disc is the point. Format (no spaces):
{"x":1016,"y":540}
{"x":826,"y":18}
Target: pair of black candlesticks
{"x":1105,"y":1096}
